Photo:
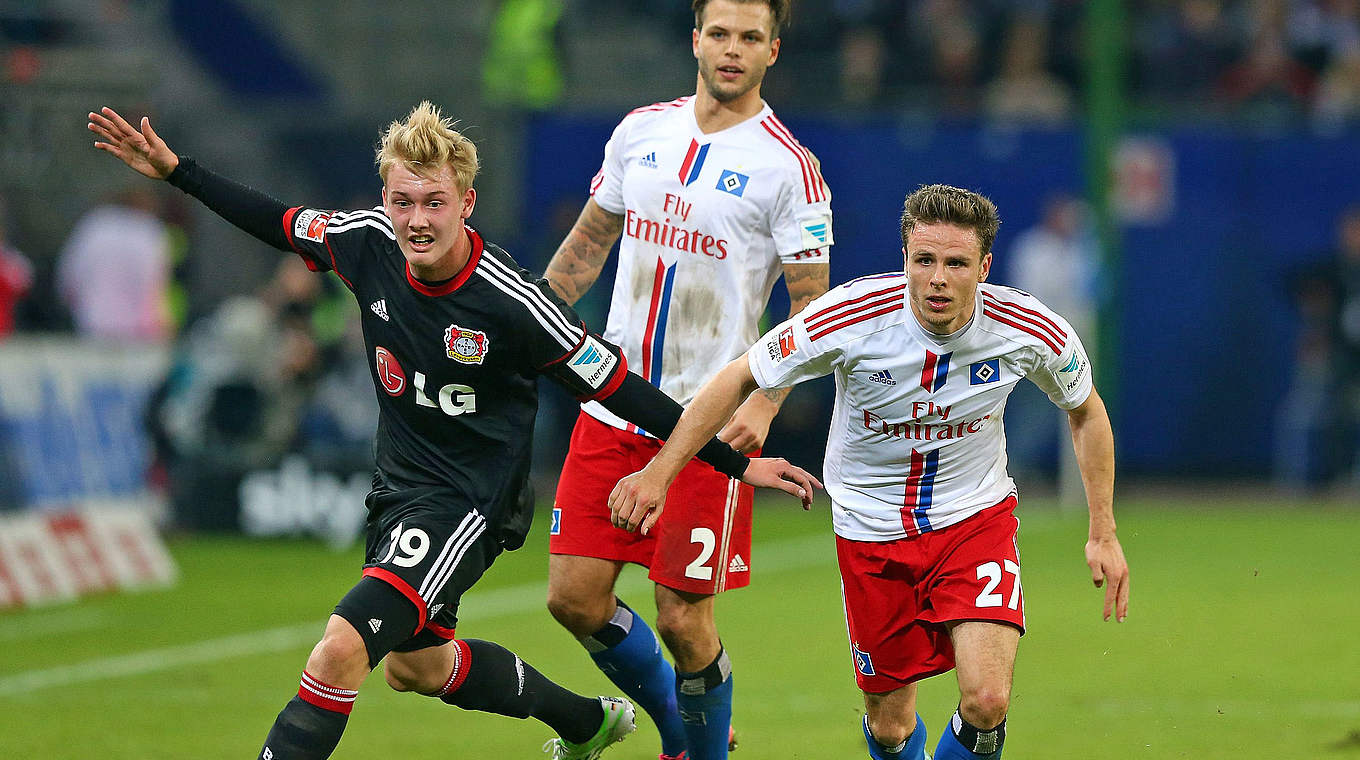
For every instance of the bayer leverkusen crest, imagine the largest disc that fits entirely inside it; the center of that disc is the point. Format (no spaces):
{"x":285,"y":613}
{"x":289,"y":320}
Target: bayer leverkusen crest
{"x":464,"y":345}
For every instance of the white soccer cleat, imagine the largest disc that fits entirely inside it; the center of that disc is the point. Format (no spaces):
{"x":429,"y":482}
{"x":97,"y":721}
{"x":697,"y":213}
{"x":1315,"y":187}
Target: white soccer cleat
{"x":619,"y":721}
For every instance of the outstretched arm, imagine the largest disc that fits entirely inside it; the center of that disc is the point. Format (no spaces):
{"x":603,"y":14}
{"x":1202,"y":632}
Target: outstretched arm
{"x":581,"y":256}
{"x":1093,"y":440}
{"x":147,"y":154}
{"x":750,"y":424}
{"x":638,"y":500}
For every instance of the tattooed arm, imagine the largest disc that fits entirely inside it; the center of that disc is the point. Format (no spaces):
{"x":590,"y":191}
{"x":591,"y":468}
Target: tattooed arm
{"x":581,"y":256}
{"x":749,"y":426}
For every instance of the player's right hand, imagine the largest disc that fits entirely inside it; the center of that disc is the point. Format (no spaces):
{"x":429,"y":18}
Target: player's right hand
{"x":637,"y":501}
{"x":143,"y":149}
{"x":776,"y":472}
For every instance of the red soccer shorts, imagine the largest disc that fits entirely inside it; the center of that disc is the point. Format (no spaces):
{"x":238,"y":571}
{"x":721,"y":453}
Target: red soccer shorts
{"x":899,"y":594}
{"x":701,"y":544}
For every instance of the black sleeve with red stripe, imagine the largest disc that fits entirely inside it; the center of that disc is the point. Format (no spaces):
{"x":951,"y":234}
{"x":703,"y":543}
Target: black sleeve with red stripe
{"x":583,"y":391}
{"x":644,"y":405}
{"x":247,"y":208}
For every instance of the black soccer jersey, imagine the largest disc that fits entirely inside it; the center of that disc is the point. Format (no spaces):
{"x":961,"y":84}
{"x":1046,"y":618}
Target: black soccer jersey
{"x":454,"y":365}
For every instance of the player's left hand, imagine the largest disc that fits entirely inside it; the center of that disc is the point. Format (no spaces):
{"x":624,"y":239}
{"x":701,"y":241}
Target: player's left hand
{"x":774,"y":472}
{"x":139,"y":147}
{"x":750,"y":424}
{"x":637,"y":501}
{"x":1105,"y":557}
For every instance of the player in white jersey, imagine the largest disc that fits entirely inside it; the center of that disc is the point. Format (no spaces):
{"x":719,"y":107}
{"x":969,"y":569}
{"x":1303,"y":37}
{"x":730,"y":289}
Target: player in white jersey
{"x":916,"y":466}
{"x":713,"y":199}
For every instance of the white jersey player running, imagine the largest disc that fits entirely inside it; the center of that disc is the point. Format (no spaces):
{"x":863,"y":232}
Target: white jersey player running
{"x":712,"y":199}
{"x":916,"y":466}
{"x":916,"y":441}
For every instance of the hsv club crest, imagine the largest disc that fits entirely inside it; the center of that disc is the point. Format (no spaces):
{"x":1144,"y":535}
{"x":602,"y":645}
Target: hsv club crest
{"x":464,"y":345}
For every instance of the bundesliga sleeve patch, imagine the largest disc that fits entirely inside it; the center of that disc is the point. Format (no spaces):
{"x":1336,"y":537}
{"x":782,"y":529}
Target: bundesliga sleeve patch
{"x":781,"y":346}
{"x":593,"y":362}
{"x":310,"y":224}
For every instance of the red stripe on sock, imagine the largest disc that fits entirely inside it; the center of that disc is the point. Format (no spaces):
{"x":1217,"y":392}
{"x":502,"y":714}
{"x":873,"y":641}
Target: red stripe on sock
{"x":462,"y":662}
{"x":327,"y":697}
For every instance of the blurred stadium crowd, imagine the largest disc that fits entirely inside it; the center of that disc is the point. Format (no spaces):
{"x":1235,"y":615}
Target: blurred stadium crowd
{"x":82,"y":254}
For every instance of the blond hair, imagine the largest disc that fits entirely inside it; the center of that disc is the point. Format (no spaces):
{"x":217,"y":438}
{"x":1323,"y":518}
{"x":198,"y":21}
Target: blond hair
{"x":426,"y":142}
{"x":936,"y":204}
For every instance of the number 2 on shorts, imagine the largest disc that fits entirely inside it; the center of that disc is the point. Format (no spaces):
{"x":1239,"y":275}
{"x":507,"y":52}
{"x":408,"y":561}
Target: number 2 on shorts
{"x":706,"y":540}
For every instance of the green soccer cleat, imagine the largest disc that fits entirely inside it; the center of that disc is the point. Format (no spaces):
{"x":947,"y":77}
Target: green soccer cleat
{"x":618,"y":722}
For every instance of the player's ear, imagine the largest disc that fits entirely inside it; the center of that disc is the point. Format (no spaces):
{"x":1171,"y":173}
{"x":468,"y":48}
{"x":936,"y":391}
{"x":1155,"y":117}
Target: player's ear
{"x":774,"y":52}
{"x":986,"y":267}
{"x":469,"y":202}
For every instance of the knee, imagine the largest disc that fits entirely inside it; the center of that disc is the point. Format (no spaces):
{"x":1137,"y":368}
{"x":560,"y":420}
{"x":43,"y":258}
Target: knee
{"x":577,"y":613}
{"x":340,"y":656}
{"x":687,"y":632}
{"x":676,"y":624}
{"x":891,"y":730}
{"x":985,"y":707}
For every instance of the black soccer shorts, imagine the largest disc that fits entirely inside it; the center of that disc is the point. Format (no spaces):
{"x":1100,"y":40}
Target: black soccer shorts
{"x":432,"y":546}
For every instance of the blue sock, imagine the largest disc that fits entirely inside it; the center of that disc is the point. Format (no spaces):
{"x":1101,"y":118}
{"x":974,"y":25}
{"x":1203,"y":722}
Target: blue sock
{"x":705,"y":700}
{"x":914,"y":748}
{"x":964,"y":741}
{"x":627,"y":651}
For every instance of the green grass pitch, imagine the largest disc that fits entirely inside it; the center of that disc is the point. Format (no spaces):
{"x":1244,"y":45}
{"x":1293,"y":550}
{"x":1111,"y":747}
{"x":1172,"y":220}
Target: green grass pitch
{"x":1242,"y":642}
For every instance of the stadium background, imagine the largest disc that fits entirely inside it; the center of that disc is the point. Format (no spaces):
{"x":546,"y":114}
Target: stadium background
{"x":1215,"y":173}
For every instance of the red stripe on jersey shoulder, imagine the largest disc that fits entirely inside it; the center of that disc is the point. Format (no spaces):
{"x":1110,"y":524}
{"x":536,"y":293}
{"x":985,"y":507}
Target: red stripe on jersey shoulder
{"x":395,"y":581}
{"x":678,"y":102}
{"x":1031,"y":322}
{"x":1010,"y":319}
{"x":1039,"y":317}
{"x":857,"y":317}
{"x":814,"y":187}
{"x":841,"y":316}
{"x":853,"y":303}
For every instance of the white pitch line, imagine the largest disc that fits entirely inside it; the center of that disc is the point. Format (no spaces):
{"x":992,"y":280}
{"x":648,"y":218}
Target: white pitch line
{"x":773,"y":558}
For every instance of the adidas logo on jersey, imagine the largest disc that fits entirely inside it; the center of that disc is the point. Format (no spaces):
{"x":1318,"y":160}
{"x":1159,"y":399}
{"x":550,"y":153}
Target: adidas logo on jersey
{"x":648,"y":160}
{"x":737,"y":565}
{"x":435,"y":609}
{"x":379,"y":307}
{"x":884,"y":377}
{"x":374,"y":624}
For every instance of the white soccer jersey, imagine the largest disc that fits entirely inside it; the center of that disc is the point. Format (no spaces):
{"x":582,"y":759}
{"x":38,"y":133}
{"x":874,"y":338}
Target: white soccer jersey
{"x":709,"y":219}
{"x":916,"y":440}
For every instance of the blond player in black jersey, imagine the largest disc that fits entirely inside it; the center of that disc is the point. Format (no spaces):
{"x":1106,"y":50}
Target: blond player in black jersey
{"x":458,"y":334}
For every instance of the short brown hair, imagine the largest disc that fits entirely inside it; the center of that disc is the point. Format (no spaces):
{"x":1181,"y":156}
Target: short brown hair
{"x":935,"y":204}
{"x":425,"y":142}
{"x":779,"y":13}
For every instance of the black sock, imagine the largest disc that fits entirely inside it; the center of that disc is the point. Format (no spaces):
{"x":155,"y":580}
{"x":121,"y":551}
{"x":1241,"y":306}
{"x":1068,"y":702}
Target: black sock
{"x":310,"y":725}
{"x":496,"y":680}
{"x":985,"y":743}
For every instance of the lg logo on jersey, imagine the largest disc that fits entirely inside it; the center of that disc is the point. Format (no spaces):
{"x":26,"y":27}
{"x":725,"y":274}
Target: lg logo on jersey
{"x":452,"y":399}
